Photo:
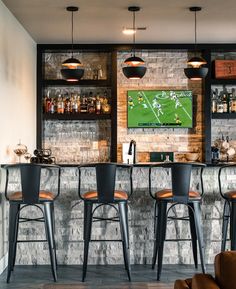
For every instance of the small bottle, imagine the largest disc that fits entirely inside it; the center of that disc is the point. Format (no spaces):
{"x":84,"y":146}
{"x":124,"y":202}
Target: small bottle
{"x":60,"y":105}
{"x":91,"y":107}
{"x":47,"y":103}
{"x":74,"y":104}
{"x":214,"y":102}
{"x":78,"y":103}
{"x":98,"y":104}
{"x":67,"y":105}
{"x":219,"y":106}
{"x":52,"y":106}
{"x":225,"y":103}
{"x":233,"y":101}
{"x":84,"y":105}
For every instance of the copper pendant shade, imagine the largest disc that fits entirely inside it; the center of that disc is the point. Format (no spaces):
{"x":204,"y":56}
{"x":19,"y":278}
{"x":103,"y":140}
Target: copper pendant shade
{"x":72,"y":70}
{"x":135,"y":68}
{"x":196,"y":72}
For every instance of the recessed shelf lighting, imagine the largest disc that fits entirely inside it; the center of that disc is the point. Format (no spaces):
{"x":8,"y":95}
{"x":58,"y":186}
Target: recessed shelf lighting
{"x":131,"y":31}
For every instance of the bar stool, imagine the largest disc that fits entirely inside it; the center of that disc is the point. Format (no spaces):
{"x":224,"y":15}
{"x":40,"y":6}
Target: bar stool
{"x":32,"y":192}
{"x":228,"y":192}
{"x":106,"y":195}
{"x":180,"y":193}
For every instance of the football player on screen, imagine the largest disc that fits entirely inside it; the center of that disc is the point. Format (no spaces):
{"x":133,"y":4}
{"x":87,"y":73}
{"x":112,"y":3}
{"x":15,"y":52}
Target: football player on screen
{"x":140,"y":97}
{"x":130,"y":102}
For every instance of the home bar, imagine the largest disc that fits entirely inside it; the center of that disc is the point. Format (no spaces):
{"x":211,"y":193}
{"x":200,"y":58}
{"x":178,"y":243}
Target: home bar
{"x":116,"y":156}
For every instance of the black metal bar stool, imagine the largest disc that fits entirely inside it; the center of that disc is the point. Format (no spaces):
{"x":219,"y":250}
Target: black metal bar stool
{"x":227,"y":189}
{"x":31,"y":191}
{"x":105,"y":194}
{"x":180,"y":193}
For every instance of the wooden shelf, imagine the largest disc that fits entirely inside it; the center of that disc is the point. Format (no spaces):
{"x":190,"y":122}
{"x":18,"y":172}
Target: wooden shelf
{"x":82,"y":82}
{"x":223,"y":81}
{"x":223,"y":115}
{"x":78,"y":116}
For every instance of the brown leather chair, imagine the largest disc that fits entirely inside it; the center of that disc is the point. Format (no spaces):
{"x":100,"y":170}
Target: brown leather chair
{"x":225,"y":275}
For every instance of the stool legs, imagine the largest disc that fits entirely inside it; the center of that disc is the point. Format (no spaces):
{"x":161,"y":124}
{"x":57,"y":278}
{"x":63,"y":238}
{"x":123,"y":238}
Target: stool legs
{"x":161,"y":225}
{"x":226,"y":215}
{"x":88,"y":216}
{"x":197,"y":219}
{"x":193,"y":234}
{"x":12,"y":237}
{"x":123,"y":212}
{"x":48,"y":211}
{"x":232,"y":226}
{"x":154,"y":258}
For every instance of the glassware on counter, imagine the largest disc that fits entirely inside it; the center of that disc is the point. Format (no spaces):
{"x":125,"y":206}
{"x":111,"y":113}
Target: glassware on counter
{"x":20,"y":150}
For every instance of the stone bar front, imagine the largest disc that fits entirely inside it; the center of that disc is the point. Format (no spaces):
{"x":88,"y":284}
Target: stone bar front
{"x":69,"y":225}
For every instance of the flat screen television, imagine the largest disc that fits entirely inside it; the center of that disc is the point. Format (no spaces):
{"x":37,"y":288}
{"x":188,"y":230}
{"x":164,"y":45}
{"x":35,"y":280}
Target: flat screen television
{"x":160,"y":108}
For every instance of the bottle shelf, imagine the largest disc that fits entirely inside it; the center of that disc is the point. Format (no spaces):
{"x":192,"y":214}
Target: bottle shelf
{"x":223,"y":115}
{"x":83,"y":82}
{"x":76,"y":116}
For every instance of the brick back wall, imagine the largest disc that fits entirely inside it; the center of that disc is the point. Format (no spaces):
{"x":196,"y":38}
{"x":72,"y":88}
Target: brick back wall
{"x":165,"y":70}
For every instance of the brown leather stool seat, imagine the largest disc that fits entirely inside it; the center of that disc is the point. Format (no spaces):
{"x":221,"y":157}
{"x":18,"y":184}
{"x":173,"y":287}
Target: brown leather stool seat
{"x":230,"y":195}
{"x":43,"y":196}
{"x":168,"y":194}
{"x":120,"y":195}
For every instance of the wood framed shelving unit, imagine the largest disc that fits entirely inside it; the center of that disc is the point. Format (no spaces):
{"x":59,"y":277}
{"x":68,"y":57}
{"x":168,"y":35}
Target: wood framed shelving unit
{"x":207,"y":50}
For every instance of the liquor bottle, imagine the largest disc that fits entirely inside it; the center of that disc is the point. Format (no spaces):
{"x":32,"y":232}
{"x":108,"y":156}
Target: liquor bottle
{"x":219,"y":106}
{"x":74,"y":104}
{"x":91,"y":107}
{"x":60,"y":105}
{"x":45,"y":103}
{"x":52,"y":106}
{"x":84,"y":105}
{"x":67,"y":104}
{"x":78,"y":103}
{"x":98,"y":104}
{"x":233,"y":101}
{"x":225,"y":102}
{"x":214,"y":102}
{"x":48,"y":103}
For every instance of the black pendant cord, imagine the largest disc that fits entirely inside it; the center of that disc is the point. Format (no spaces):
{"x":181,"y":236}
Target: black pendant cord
{"x":72,"y":33}
{"x":134,"y":32}
{"x":195,"y":31}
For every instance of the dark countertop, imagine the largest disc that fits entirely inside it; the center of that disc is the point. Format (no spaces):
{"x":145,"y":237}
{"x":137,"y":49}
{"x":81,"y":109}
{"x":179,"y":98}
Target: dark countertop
{"x":145,"y":164}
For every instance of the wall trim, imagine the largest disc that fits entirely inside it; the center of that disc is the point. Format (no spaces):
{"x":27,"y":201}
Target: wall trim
{"x":3,"y":263}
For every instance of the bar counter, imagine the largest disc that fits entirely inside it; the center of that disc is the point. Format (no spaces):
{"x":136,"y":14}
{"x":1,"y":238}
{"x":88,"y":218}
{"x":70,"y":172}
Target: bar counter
{"x":69,"y":224}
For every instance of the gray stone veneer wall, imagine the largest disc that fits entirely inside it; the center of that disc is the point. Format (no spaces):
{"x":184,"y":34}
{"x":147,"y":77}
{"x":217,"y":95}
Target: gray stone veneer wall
{"x":69,"y":225}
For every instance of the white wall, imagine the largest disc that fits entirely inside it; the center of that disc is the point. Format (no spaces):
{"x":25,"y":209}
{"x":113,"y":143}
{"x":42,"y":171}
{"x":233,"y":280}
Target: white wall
{"x":17,"y":86}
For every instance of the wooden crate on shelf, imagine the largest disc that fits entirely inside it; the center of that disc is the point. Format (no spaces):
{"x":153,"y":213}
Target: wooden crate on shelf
{"x":225,"y":69}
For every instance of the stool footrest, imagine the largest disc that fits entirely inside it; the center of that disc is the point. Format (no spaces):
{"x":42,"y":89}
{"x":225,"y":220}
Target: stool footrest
{"x":105,"y":240}
{"x":27,"y":241}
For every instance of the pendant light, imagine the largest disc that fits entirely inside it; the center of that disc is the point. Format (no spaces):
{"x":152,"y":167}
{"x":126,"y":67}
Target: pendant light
{"x":72,"y":68}
{"x":135,"y":68}
{"x":196,"y":72}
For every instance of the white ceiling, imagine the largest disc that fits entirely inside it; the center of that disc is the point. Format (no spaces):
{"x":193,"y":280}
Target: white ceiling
{"x":101,"y":21}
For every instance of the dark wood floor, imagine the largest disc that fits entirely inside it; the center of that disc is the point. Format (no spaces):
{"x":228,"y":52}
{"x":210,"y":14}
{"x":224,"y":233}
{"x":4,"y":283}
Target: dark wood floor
{"x":106,"y":277}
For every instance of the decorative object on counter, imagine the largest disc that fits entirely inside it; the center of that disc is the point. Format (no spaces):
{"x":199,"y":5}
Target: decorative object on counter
{"x":226,"y":149}
{"x":161,"y":156}
{"x":192,"y":157}
{"x":135,"y":68}
{"x":196,"y":72}
{"x":43,"y":156}
{"x":20,"y":150}
{"x":73,"y":70}
{"x":215,"y":154}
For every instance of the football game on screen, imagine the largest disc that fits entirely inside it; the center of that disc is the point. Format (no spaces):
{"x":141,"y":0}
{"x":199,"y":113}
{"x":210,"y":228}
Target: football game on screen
{"x":159,"y":108}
